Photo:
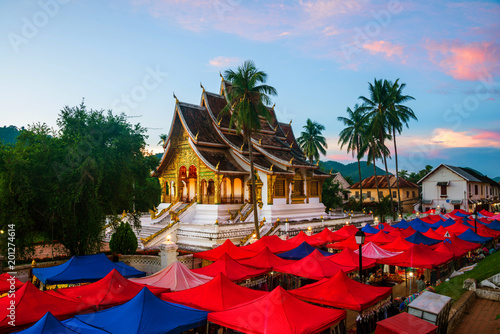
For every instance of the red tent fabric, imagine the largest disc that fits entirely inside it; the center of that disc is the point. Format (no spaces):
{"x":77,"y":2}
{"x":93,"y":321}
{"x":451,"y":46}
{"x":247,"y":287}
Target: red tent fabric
{"x":486,"y":213}
{"x":344,"y":232}
{"x":348,"y":258}
{"x":273,"y":242}
{"x":495,"y":217}
{"x":217,"y":295}
{"x":429,"y":212}
{"x":372,"y":251}
{"x":265,"y":260}
{"x":175,"y":277}
{"x":447,"y":247}
{"x":278,"y":312}
{"x":347,"y":243}
{"x":301,"y":237}
{"x":229,"y":267}
{"x":484,"y":231}
{"x":31,"y":304}
{"x":227,"y":247}
{"x":387,"y":227}
{"x":457,"y":228}
{"x":380,"y":238}
{"x":441,"y":230}
{"x":342,"y":292}
{"x":398,"y":245}
{"x":404,"y":323}
{"x":314,"y":266}
{"x":434,"y":218}
{"x":418,"y":256}
{"x":457,"y":242}
{"x":434,"y":235}
{"x":326,"y":235}
{"x":404,"y":233}
{"x":6,"y":281}
{"x":112,"y":290}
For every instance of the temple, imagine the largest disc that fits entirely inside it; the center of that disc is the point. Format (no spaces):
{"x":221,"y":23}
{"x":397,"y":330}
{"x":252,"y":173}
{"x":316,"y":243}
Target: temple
{"x":205,"y":168}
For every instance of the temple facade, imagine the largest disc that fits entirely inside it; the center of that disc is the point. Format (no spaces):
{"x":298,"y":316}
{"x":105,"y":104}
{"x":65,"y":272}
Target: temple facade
{"x":205,"y":168}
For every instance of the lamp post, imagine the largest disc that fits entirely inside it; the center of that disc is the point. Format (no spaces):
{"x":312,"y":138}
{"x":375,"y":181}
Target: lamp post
{"x":474,"y":215}
{"x":360,"y":240}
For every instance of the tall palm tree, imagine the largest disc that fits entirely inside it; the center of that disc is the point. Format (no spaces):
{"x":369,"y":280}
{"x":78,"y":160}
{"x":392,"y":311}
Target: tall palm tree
{"x":353,"y":136}
{"x":163,"y":139}
{"x":375,"y":151}
{"x":311,"y":141}
{"x":376,"y":108}
{"x":247,"y":99}
{"x":400,"y":115}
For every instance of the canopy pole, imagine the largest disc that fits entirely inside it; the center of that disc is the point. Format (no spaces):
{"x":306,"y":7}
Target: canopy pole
{"x":208,"y":324}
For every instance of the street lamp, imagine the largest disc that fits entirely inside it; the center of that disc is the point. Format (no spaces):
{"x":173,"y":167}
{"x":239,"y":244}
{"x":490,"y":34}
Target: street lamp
{"x":360,"y":240}
{"x":474,"y":215}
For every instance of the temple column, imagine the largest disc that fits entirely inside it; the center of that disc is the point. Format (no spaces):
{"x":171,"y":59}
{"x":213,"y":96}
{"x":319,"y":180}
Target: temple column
{"x":232,"y":189}
{"x":218,"y":184}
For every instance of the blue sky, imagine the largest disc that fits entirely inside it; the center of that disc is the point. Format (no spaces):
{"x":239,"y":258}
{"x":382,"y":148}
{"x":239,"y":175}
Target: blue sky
{"x":320,"y":55}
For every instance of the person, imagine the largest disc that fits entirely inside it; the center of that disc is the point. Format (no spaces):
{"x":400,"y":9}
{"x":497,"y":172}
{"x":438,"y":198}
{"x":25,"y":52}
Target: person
{"x":402,"y":306}
{"x":421,"y":283}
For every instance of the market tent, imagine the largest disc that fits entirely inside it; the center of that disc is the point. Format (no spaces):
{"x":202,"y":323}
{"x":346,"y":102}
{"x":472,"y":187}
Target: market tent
{"x":495,"y":217}
{"x":381,"y":238}
{"x":6,"y":281}
{"x":457,"y":242}
{"x":398,"y":245}
{"x":145,"y":313}
{"x":385,"y":227}
{"x":83,"y":269}
{"x":470,"y":236}
{"x":326,"y":235}
{"x":434,"y":218}
{"x":347,"y":243}
{"x":229,"y":267}
{"x":278,"y":312}
{"x":402,"y":224}
{"x":175,"y":277}
{"x":265,"y":260}
{"x":31,"y":304}
{"x":403,"y":233}
{"x":404,"y":323}
{"x":110,"y":291}
{"x":217,"y":295}
{"x":342,"y":292}
{"x":227,"y":247}
{"x":457,"y":228}
{"x":443,"y":223}
{"x":314,"y":266}
{"x":486,"y":231}
{"x":418,"y":256}
{"x":302,"y":237}
{"x":48,"y":324}
{"x":434,"y":235}
{"x":348,"y":258}
{"x":301,"y":252}
{"x":372,"y":251}
{"x":369,"y":229}
{"x":440,"y":230}
{"x":429,"y":212}
{"x":447,"y":247}
{"x":486,"y":213}
{"x":419,"y":225}
{"x":494,"y":225}
{"x":273,"y":242}
{"x":418,"y":238}
{"x":344,"y":232}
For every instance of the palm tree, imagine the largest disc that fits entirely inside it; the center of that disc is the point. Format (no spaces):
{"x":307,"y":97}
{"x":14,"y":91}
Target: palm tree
{"x":247,"y":99}
{"x":376,"y":108}
{"x":353,"y":136}
{"x":311,"y":141}
{"x":163,"y":139}
{"x":375,"y":151}
{"x":400,"y":115}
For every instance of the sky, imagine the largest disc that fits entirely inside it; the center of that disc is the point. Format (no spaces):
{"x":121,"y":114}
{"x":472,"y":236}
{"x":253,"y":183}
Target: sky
{"x":132,"y":55}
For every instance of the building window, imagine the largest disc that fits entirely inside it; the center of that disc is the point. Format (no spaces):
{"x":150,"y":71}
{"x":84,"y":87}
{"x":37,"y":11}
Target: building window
{"x":279,"y":188}
{"x":444,"y":191}
{"x":314,"y":188}
{"x":298,"y":187}
{"x":380,"y":194}
{"x":476,"y":190}
{"x":413,"y":193}
{"x":356,"y":194}
{"x":456,"y":206}
{"x":394,"y":194}
{"x":211,"y":188}
{"x":482,"y":188}
{"x":368,"y":194}
{"x":407,"y":194}
{"x":469,"y":189}
{"x":491,"y":191}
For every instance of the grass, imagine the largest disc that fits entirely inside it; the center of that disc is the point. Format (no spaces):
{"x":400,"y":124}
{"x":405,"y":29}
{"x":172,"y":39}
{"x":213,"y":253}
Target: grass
{"x":485,"y":268}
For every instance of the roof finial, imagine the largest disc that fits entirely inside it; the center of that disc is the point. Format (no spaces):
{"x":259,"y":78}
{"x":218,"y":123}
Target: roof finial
{"x":176,"y":99}
{"x":291,"y":144}
{"x":241,"y":149}
{"x":330,"y":172}
{"x":260,"y":141}
{"x":290,"y":124}
{"x":217,"y":167}
{"x":220,"y":120}
{"x":276,"y":128}
{"x":271,"y":168}
{"x":202,"y":87}
{"x":274,"y":105}
{"x":221,"y":77}
{"x":291,"y":160}
{"x":317,"y":163}
{"x":196,"y":138}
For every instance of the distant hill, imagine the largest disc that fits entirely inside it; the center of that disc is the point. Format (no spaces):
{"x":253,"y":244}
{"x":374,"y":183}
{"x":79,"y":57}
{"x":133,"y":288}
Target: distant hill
{"x":350,"y":170}
{"x":496,"y":179}
{"x":8,"y":134}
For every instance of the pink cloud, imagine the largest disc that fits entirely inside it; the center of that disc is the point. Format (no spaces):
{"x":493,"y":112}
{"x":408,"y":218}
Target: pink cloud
{"x":488,"y":135}
{"x":473,"y":138}
{"x":465,"y":61}
{"x":224,"y":61}
{"x":384,"y":47}
{"x":341,"y":157}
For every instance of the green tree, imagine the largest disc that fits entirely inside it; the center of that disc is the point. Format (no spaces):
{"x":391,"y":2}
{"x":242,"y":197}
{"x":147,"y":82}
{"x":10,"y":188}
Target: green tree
{"x":311,"y":141}
{"x":163,"y":139}
{"x":123,"y":240}
{"x":332,"y":194}
{"x":399,"y":115}
{"x":403,"y":174}
{"x":247,"y":98}
{"x":353,"y":136}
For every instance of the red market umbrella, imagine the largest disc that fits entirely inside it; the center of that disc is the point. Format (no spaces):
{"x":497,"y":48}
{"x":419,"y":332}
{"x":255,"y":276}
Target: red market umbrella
{"x":418,"y":256}
{"x":302,"y":237}
{"x":265,"y":260}
{"x":229,"y":267}
{"x":348,"y":258}
{"x":227,"y":247}
{"x":273,"y":242}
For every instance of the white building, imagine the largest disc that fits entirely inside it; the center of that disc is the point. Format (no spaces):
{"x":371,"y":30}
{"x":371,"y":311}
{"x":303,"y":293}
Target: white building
{"x":449,"y":187}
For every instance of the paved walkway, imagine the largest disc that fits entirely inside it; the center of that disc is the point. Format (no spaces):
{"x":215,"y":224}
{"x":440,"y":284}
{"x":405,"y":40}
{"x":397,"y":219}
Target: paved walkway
{"x":480,"y":318}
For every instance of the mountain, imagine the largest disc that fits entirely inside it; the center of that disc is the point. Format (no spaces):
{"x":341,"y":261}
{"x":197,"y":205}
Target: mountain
{"x":496,"y":179}
{"x":350,"y":170}
{"x":8,"y":134}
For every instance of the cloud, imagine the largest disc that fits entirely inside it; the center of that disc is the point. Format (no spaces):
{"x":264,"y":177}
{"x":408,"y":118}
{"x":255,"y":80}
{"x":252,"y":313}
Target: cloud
{"x":473,"y":138}
{"x":384,"y":47}
{"x":465,"y":61}
{"x":221,"y":61}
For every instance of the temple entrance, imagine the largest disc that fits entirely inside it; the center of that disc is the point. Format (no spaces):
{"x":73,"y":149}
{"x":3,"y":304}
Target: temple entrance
{"x":207,"y":192}
{"x":187,"y":183}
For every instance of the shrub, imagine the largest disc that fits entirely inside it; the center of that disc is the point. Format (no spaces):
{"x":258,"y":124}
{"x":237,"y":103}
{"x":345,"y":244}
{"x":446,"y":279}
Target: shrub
{"x":123,"y":240}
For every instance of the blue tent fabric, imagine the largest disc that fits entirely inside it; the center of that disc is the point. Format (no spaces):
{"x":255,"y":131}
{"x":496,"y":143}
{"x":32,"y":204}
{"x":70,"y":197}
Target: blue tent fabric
{"x":369,"y":229}
{"x":445,"y":223}
{"x":494,"y":225}
{"x":418,"y":238}
{"x":458,"y":214}
{"x":403,"y":224}
{"x":145,"y":313}
{"x":471,"y":236}
{"x":82,"y":269}
{"x":300,"y":252}
{"x":419,"y":225}
{"x":48,"y":324}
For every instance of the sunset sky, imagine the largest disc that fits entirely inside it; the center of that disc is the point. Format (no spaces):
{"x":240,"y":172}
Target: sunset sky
{"x":320,"y":55}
